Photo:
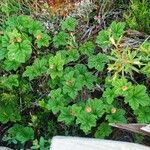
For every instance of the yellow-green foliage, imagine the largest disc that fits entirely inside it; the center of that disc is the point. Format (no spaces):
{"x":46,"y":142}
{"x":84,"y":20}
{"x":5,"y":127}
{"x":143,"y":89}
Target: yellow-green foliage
{"x":138,"y":15}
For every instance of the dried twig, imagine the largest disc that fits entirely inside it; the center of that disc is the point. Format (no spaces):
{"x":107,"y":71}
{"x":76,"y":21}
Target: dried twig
{"x":137,"y":128}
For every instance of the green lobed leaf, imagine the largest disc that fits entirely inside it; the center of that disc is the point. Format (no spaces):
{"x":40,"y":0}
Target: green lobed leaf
{"x":109,"y":95}
{"x":121,"y":86}
{"x":60,"y":39}
{"x":56,"y":64}
{"x":137,"y":96}
{"x":104,"y":130}
{"x":66,"y":115}
{"x":19,"y":52}
{"x":69,"y":24}
{"x":89,"y":79}
{"x":9,"y":82}
{"x":38,"y":68}
{"x":34,"y":26}
{"x":3,"y":53}
{"x":42,"y":39}
{"x":117,"y":29}
{"x":9,"y":110}
{"x":86,"y":78}
{"x":70,"y":55}
{"x":96,"y":107}
{"x":21,"y":133}
{"x":70,"y":85}
{"x":86,"y":121}
{"x":10,"y":65}
{"x":97,"y":61}
{"x":87,"y":48}
{"x":117,"y":117}
{"x":56,"y":101}
{"x":142,"y":114}
{"x":103,"y":39}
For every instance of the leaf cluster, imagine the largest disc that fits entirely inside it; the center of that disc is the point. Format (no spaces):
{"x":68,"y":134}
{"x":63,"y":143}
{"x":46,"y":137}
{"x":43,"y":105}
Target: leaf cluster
{"x":57,"y":77}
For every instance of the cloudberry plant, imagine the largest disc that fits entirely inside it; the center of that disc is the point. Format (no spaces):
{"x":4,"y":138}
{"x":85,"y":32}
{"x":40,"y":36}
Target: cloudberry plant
{"x":82,"y":85}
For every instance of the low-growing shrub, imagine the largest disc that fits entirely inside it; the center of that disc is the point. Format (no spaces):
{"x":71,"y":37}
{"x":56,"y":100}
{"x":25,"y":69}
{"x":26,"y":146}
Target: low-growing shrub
{"x":47,"y":77}
{"x":137,"y":17}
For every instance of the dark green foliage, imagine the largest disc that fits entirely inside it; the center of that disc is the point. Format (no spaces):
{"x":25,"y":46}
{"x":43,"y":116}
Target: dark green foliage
{"x":38,"y":68}
{"x":17,"y":38}
{"x":103,"y":131}
{"x":9,"y":82}
{"x":60,"y":39}
{"x":49,"y":83}
{"x":21,"y":133}
{"x":69,"y":24}
{"x":137,"y":97}
{"x":9,"y":111}
{"x":117,"y":117}
{"x":98,"y":62}
{"x":87,"y":48}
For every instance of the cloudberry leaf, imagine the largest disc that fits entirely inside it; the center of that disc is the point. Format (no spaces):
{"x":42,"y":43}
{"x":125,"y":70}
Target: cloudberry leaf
{"x":34,"y":26}
{"x":4,"y":42}
{"x":70,"y":85}
{"x":9,"y":82}
{"x":97,"y":107}
{"x":56,"y":64}
{"x":21,"y":133}
{"x":80,"y":69}
{"x":97,"y":61}
{"x":9,"y":110}
{"x":38,"y":68}
{"x":42,"y":39}
{"x":137,"y":96}
{"x":3,"y":53}
{"x":14,"y":35}
{"x":70,"y":55}
{"x":103,"y":130}
{"x":86,"y":121}
{"x":142,"y":114}
{"x":10,"y":65}
{"x":103,"y":39}
{"x":87,"y":48}
{"x":66,"y":115}
{"x":24,"y":21}
{"x":61,"y":39}
{"x":69,"y":24}
{"x":54,"y":83}
{"x":117,"y":117}
{"x":117,"y":29}
{"x":19,"y":52}
{"x":109,"y":95}
{"x":86,"y":78}
{"x":56,"y":101}
{"x":76,"y":110}
{"x":89,"y":79}
{"x":121,"y":86}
